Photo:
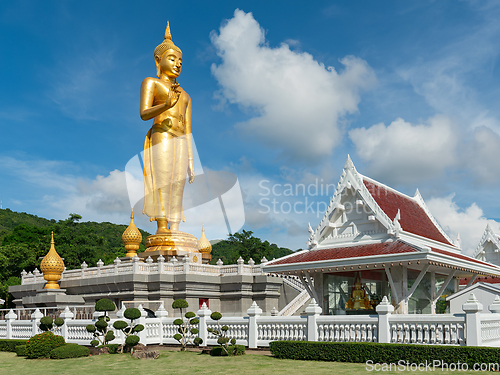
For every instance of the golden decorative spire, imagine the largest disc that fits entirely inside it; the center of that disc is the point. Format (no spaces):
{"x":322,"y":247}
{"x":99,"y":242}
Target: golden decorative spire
{"x":52,"y":267}
{"x":131,"y":238}
{"x":204,"y":245}
{"x":166,"y":45}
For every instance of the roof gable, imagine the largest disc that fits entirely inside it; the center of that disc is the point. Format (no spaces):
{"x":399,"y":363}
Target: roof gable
{"x":488,"y":236}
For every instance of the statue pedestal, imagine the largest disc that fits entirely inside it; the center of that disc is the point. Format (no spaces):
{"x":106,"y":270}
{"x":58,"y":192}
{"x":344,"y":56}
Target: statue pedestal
{"x":52,"y":298}
{"x":172,"y":243}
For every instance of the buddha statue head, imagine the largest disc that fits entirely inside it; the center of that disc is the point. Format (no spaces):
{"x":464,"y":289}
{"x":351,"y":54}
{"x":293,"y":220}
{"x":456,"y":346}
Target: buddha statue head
{"x":168,"y":56}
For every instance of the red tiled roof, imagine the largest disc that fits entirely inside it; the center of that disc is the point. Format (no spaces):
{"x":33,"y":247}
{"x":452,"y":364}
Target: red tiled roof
{"x":482,"y":279}
{"x":348,"y":252}
{"x":461,"y":256}
{"x":413,"y":217}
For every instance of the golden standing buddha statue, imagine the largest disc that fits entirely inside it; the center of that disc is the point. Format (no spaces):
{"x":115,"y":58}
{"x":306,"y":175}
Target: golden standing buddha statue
{"x":168,"y":151}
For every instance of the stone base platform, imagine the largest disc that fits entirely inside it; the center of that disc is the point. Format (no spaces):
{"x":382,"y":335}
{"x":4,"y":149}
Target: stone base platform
{"x":52,"y":297}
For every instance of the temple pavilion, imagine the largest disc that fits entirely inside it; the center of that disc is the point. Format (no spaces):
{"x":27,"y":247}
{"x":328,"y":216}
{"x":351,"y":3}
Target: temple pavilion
{"x":374,"y":241}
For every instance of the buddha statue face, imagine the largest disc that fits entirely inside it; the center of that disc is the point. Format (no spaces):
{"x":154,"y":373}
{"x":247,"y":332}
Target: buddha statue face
{"x":170,"y":64}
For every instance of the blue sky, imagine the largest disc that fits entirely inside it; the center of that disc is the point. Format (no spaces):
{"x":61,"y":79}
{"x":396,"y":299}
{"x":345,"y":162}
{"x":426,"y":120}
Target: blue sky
{"x":282,"y":92}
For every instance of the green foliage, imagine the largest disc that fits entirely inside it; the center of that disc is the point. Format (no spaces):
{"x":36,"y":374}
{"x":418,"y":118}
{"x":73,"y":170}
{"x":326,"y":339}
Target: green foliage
{"x":218,"y":351}
{"x":47,"y":323}
{"x":10,"y":345}
{"x":221,"y":332}
{"x":216,"y":315}
{"x":40,"y":346}
{"x":105,"y":304}
{"x":132,"y":340}
{"x":21,"y":350}
{"x":132,"y":313}
{"x":129,"y":330}
{"x":25,"y":238}
{"x":187,"y":330}
{"x":360,"y":352}
{"x":113,"y":348}
{"x":100,"y":328}
{"x":69,"y":351}
{"x":180,"y":304}
{"x":247,"y":246}
{"x":120,"y":324}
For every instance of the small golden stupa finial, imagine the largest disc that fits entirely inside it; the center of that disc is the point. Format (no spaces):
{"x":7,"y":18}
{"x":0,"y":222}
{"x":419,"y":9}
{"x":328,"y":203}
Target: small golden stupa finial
{"x":132,"y":238}
{"x":52,"y":266}
{"x":204,"y":245}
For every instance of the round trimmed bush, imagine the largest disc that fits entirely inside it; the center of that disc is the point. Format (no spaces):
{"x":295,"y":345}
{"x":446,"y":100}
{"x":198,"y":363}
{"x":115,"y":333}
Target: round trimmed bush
{"x":105,"y":304}
{"x":190,"y":315}
{"x":120,"y":324}
{"x":69,"y":351}
{"x":178,"y":336}
{"x":180,"y":304}
{"x":218,"y":351}
{"x":132,"y":340}
{"x":101,"y":324}
{"x":194,"y":321}
{"x":216,"y":315}
{"x":47,"y":320}
{"x":178,"y":322}
{"x":94,"y":343}
{"x":91,"y":328}
{"x":198,"y":341}
{"x":58,"y":321}
{"x":110,"y":336}
{"x":40,"y":346}
{"x":132,"y":313}
{"x":138,"y":328}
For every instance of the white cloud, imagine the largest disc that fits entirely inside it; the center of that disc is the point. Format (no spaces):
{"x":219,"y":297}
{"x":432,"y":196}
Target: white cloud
{"x":470,"y":222}
{"x":404,"y":152}
{"x":298,"y":101}
{"x":482,"y":154}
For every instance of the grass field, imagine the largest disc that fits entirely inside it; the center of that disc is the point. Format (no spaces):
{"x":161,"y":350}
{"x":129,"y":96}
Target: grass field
{"x":175,"y":362}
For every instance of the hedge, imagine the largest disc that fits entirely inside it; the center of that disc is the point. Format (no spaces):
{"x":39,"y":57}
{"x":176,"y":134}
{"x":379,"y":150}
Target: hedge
{"x":218,"y":351}
{"x":69,"y":351}
{"x":361,"y":352}
{"x":21,"y":350}
{"x":10,"y":345}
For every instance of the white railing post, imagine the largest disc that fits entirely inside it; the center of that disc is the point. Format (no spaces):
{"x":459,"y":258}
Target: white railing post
{"x":384,"y":311}
{"x":240,"y":262}
{"x":161,"y":313}
{"x":142,"y":320}
{"x":161,"y":263}
{"x":117,"y":262}
{"x":253,"y":333}
{"x":204,"y":314}
{"x":472,"y":309}
{"x":185,"y":266}
{"x":495,"y":306}
{"x":100,"y":263}
{"x":313,"y":311}
{"x":66,"y":315}
{"x":135,"y":264}
{"x":10,"y":318}
{"x":84,"y":267}
{"x":35,"y":321}
{"x":23,"y":276}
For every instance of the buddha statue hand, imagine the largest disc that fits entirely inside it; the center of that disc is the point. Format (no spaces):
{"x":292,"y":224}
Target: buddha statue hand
{"x":173,"y":96}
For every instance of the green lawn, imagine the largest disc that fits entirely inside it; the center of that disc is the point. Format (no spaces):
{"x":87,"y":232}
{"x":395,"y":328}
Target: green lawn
{"x":175,"y":362}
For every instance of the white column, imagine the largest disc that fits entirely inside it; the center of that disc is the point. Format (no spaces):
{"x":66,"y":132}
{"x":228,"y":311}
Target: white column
{"x":204,"y":314}
{"x":161,"y":262}
{"x":10,"y":318}
{"x":313,"y":310}
{"x":384,"y":311}
{"x":472,"y":309}
{"x":142,"y":320}
{"x":135,"y":264}
{"x":240,"y":262}
{"x":161,"y":313}
{"x":253,"y":333}
{"x":35,"y":320}
{"x":66,"y":315}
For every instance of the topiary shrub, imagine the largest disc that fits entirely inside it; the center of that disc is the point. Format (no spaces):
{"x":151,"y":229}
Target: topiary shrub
{"x":187,"y":330}
{"x":223,"y":340}
{"x":40,"y":346}
{"x":69,"y":351}
{"x":130,"y":330}
{"x":9,"y":345}
{"x":113,"y":348}
{"x":47,"y":323}
{"x":21,"y":350}
{"x":100,"y":328}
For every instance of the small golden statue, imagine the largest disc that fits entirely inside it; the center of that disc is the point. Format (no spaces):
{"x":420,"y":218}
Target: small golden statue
{"x":358,"y":300}
{"x":168,"y":151}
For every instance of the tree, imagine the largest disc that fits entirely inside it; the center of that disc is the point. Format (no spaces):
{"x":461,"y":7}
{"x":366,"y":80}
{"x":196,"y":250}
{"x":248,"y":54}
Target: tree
{"x":187,"y":331}
{"x":100,"y":328}
{"x":130,"y":330}
{"x":247,"y":246}
{"x":221,"y":332}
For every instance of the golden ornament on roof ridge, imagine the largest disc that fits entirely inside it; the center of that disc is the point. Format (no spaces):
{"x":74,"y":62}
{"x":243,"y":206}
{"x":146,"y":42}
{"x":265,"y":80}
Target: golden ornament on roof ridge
{"x":131,"y":238}
{"x":204,"y":245}
{"x":52,"y":266}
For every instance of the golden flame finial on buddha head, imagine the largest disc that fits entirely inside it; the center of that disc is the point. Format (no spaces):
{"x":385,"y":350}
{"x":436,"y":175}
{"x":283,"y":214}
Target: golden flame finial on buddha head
{"x":166,"y":45}
{"x":52,"y":267}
